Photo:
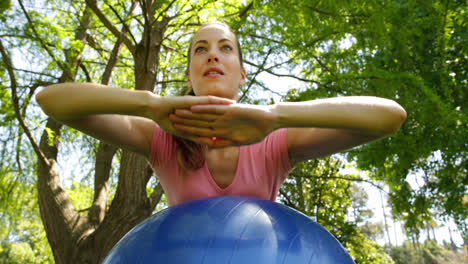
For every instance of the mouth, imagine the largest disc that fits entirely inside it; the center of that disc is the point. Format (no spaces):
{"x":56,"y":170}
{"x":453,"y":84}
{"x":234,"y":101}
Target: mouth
{"x":213,"y":72}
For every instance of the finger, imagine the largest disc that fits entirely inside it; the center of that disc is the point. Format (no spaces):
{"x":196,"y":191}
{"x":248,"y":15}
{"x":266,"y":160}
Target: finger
{"x":182,"y":113}
{"x":201,"y":131}
{"x":220,"y":100}
{"x":196,"y":131}
{"x":209,"y":100}
{"x":210,"y":109}
{"x":190,"y":122}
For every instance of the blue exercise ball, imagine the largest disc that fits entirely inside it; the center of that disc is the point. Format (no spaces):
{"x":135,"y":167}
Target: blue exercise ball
{"x":228,"y":229}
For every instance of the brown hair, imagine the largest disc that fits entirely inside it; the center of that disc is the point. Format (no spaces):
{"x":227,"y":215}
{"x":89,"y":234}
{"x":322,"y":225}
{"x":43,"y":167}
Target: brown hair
{"x":191,"y":155}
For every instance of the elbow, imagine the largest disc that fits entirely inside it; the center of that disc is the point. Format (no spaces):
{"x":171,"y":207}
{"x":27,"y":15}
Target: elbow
{"x":46,"y":99}
{"x":41,"y":99}
{"x":396,"y":120}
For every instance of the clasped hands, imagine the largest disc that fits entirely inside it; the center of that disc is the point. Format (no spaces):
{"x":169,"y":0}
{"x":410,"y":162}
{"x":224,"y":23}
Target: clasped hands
{"x":222,"y":123}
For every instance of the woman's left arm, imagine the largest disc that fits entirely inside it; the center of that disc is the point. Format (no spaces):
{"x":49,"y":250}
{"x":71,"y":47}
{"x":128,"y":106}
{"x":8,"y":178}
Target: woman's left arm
{"x":325,"y":126}
{"x":315,"y":128}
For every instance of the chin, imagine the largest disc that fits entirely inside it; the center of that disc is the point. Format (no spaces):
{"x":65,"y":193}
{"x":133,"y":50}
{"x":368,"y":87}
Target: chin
{"x":219,"y":92}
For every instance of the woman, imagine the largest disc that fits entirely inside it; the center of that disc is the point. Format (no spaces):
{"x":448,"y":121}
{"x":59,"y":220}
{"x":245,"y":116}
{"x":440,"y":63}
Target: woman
{"x":208,"y":145}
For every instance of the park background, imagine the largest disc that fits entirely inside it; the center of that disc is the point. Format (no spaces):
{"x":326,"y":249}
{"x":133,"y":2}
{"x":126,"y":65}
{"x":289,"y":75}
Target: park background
{"x":67,"y":198}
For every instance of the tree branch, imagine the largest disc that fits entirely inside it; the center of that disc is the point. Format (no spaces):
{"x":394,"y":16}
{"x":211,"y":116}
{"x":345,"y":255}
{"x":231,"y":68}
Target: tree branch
{"x":37,"y":73}
{"x":144,"y":11}
{"x":171,"y":81}
{"x":243,"y":13}
{"x":321,"y":11}
{"x":14,"y":85}
{"x":281,"y":75}
{"x":127,"y":29}
{"x":332,"y":14}
{"x":41,"y":41}
{"x":267,"y":39}
{"x":18,"y":153}
{"x":256,"y":74}
{"x":105,"y":151}
{"x":163,"y":12}
{"x":307,"y":44}
{"x":357,"y":179}
{"x":86,"y":72}
{"x":128,"y":43}
{"x":323,"y":65}
{"x":183,"y":12}
{"x":103,"y":167}
{"x":268,"y":89}
{"x":289,"y":202}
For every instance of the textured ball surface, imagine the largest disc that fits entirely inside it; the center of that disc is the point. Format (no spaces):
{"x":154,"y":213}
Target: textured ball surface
{"x":228,"y":229}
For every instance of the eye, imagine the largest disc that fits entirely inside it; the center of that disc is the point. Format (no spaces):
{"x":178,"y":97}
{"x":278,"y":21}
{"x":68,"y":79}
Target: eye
{"x":226,"y":48}
{"x":200,"y":49}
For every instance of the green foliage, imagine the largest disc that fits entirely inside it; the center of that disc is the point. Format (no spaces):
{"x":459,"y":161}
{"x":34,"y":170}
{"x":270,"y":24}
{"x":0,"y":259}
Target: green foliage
{"x":4,"y":6}
{"x":372,"y":230}
{"x":365,"y":250}
{"x":426,"y":58}
{"x":6,"y":110}
{"x":359,"y":197}
{"x":317,"y":189}
{"x":81,"y":196}
{"x":428,"y":252}
{"x":22,"y":236}
{"x":16,"y":253}
{"x":403,"y":50}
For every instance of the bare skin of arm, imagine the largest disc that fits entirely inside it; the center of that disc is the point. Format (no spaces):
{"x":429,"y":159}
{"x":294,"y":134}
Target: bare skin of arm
{"x":121,"y":117}
{"x":316,"y":128}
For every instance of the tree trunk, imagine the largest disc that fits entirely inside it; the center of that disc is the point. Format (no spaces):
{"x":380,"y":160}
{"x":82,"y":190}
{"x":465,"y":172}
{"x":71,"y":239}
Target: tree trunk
{"x":385,"y":219}
{"x":64,"y":226}
{"x":75,"y":238}
{"x":60,"y":219}
{"x":131,"y":203}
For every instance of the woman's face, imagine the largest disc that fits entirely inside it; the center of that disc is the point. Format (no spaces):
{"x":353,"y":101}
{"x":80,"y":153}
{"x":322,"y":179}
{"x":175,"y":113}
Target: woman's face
{"x":215,"y":67}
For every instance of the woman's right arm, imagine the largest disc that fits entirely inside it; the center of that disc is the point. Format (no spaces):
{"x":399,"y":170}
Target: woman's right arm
{"x":121,"y":117}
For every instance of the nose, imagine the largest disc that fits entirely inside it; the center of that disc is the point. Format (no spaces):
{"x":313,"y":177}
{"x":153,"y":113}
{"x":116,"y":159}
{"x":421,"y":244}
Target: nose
{"x":212,"y":57}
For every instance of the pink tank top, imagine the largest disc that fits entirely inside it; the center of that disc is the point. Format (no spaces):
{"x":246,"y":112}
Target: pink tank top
{"x":261,"y":169}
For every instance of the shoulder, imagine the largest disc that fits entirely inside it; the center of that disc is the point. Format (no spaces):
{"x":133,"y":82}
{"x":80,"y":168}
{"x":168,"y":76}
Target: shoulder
{"x":277,"y":137}
{"x":274,"y":148}
{"x":162,"y":147}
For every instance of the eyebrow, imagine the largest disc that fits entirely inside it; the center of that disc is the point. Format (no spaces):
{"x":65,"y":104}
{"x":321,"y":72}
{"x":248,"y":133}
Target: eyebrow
{"x":206,"y":42}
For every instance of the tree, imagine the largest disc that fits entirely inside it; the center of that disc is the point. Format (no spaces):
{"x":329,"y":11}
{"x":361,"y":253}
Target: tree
{"x":359,"y":210}
{"x":412,"y":52}
{"x":427,"y":252}
{"x":422,"y":68}
{"x":319,"y":190}
{"x":22,"y":238}
{"x":70,"y":40}
{"x":361,"y":214}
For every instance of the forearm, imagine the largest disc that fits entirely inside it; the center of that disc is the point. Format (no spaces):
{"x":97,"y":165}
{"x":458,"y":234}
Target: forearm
{"x":74,"y":100}
{"x":369,"y":115}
